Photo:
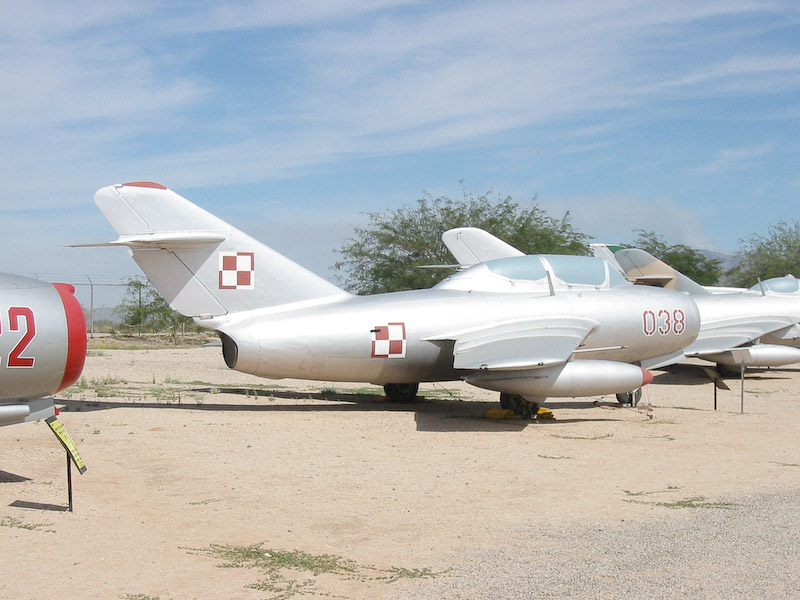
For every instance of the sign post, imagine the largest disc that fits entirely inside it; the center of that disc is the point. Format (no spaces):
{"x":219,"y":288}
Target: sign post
{"x":72,"y":452}
{"x":742,"y":382}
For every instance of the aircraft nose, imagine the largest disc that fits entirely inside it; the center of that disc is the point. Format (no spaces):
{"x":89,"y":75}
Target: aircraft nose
{"x":76,"y":335}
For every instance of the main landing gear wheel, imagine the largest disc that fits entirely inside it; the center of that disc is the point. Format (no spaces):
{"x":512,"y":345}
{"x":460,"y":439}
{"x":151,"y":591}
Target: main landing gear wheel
{"x":519,"y":405}
{"x":630,"y":398}
{"x":401,"y":392}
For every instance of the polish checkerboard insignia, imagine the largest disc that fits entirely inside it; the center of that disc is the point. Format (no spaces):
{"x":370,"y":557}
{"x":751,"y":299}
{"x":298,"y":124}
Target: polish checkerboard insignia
{"x":237,"y":270}
{"x":389,"y":341}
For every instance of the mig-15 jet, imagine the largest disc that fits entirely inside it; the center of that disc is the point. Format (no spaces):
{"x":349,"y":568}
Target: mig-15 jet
{"x":738,"y":327}
{"x":755,"y":327}
{"x":42,"y":346}
{"x":529,"y":327}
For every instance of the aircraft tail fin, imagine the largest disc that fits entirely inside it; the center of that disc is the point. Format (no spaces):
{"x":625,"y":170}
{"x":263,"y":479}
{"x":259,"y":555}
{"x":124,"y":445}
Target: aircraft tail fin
{"x":471,"y":245}
{"x":201,"y":265}
{"x":607,"y":253}
{"x":641,"y":267}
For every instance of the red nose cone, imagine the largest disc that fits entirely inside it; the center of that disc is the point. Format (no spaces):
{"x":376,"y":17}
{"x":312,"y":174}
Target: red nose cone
{"x":647,"y":377}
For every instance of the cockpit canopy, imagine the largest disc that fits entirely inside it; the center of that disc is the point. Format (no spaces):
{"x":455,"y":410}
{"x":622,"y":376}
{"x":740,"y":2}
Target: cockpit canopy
{"x":530,"y":273}
{"x":780,"y":285}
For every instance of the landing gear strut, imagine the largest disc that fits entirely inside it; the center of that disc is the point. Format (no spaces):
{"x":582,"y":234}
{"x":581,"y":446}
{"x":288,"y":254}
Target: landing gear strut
{"x":522,"y":407}
{"x":401,"y":392}
{"x":630,"y":398}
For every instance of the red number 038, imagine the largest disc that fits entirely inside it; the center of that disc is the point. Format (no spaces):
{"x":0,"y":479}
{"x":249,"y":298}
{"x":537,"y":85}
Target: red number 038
{"x":20,"y":318}
{"x":663,"y":322}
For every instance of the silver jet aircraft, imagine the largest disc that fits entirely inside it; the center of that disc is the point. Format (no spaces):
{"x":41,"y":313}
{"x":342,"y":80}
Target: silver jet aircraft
{"x":42,"y":346}
{"x":739,"y":328}
{"x":530,"y":327}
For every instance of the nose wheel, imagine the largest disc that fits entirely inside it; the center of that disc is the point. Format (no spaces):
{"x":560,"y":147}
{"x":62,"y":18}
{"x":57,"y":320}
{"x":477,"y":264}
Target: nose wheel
{"x":630,"y":398}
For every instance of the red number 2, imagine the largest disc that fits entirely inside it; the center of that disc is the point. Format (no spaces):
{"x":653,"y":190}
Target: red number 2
{"x":15,"y":315}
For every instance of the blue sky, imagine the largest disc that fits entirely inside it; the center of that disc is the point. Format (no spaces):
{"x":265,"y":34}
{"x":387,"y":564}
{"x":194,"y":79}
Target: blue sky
{"x":292,"y":119}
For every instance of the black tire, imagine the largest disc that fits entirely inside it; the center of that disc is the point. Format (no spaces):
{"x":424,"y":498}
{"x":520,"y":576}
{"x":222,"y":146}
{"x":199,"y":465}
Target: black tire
{"x":519,"y":405}
{"x":401,"y":392}
{"x":528,"y":410}
{"x":630,"y":398}
{"x":507,"y":401}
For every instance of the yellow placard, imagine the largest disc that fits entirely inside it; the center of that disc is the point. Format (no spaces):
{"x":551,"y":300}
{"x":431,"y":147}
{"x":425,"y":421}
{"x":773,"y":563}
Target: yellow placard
{"x":58,"y":429}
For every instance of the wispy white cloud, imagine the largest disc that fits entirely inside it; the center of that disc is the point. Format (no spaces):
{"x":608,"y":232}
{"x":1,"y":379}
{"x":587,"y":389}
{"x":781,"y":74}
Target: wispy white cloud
{"x":743,"y":74}
{"x":256,"y":14}
{"x":223,"y":93}
{"x":615,"y":218}
{"x":367,"y":78}
{"x":420,"y":80}
{"x":738,"y":158}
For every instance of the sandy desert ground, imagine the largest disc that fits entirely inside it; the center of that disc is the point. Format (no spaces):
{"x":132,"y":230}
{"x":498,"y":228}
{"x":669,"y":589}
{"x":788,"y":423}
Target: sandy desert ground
{"x":206,"y":483}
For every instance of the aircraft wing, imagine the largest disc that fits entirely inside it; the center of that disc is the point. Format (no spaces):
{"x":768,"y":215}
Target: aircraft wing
{"x":790,"y":333}
{"x":726,"y":335}
{"x":470,"y":246}
{"x":515,"y":345}
{"x":22,"y":412}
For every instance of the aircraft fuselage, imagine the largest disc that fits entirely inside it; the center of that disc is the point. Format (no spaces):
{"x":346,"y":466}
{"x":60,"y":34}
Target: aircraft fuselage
{"x":401,"y":337}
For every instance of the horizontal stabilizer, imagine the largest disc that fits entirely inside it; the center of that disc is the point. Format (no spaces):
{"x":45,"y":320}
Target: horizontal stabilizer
{"x":655,"y":280}
{"x":178,"y":239}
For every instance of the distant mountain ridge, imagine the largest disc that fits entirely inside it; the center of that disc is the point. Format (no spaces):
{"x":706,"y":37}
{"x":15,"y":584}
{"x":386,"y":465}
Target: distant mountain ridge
{"x":728,"y":261}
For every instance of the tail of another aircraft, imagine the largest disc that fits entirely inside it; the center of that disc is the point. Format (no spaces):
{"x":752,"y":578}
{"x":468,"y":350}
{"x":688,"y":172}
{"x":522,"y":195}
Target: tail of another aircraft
{"x":201,"y":265}
{"x":471,"y":245}
{"x":641,"y":267}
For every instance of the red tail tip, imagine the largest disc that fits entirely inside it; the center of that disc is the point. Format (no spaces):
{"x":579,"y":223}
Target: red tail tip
{"x":145,"y":184}
{"x":647,"y":377}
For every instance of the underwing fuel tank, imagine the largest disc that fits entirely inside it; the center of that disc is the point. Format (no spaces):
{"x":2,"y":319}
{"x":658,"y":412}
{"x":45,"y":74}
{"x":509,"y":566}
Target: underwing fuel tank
{"x":42,"y":345}
{"x":760,"y":355}
{"x":572,"y":379}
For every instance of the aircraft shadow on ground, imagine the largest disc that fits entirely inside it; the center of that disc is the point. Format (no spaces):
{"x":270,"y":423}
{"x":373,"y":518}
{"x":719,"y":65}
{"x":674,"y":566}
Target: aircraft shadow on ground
{"x":686,"y":374}
{"x":437,"y":414}
{"x":6,"y":477}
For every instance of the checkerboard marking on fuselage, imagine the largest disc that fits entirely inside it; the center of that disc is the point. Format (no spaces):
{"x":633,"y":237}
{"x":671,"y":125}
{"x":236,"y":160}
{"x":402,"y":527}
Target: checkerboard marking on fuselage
{"x":389,"y":341}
